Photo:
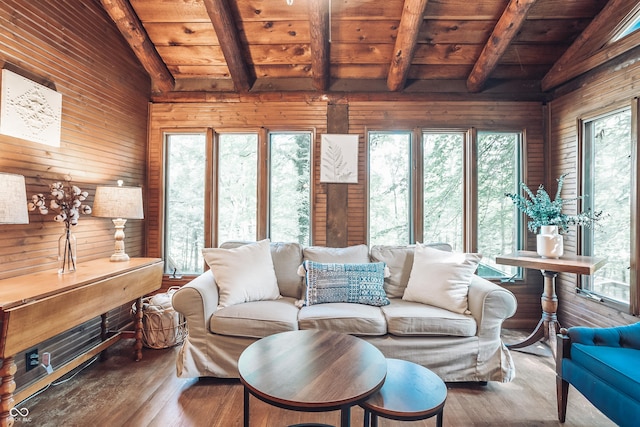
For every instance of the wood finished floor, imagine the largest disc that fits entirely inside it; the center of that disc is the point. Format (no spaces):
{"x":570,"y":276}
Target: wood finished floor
{"x":120,"y":392}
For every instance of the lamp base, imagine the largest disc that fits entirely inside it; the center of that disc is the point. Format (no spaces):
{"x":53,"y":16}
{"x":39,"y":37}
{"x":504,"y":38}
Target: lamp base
{"x":119,"y":257}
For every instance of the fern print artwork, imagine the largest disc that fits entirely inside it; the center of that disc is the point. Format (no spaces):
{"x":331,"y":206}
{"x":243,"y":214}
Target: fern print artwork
{"x":339,"y":158}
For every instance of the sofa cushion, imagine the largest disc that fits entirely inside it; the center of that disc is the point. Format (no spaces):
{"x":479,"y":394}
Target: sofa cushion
{"x":441,"y":278}
{"x":355,"y":319}
{"x":337,"y":282}
{"x":399,"y":260}
{"x":407,"y":318}
{"x":286,"y":257}
{"x":617,"y":366}
{"x":244,"y":273}
{"x":256,"y":319}
{"x":358,"y":254}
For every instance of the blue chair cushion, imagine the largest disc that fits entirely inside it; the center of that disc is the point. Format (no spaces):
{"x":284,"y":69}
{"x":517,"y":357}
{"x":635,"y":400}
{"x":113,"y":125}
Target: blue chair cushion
{"x":615,"y":365}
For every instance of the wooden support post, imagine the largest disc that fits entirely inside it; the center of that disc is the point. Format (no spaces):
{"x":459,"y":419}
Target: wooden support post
{"x":337,"y":194}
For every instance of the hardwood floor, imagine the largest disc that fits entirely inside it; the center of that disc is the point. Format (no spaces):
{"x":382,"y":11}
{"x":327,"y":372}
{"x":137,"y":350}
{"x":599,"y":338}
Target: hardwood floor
{"x":120,"y":392}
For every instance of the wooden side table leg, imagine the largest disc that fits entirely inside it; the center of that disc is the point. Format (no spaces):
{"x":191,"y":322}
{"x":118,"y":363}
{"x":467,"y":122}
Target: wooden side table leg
{"x":7,"y":388}
{"x":548,"y":324}
{"x":138,"y":330}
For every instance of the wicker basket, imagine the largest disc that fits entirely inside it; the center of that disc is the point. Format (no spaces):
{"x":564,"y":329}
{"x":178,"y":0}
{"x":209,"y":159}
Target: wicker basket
{"x":162,"y":326}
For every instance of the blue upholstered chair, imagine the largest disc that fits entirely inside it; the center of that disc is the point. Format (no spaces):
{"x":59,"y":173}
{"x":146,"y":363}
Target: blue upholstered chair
{"x":604,"y":365}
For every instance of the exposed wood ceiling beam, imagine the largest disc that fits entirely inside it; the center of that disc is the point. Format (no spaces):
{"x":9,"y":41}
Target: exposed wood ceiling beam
{"x":319,"y":32}
{"x":571,"y":63}
{"x":503,"y":34}
{"x":134,"y":33}
{"x":220,"y":14}
{"x":406,"y":41}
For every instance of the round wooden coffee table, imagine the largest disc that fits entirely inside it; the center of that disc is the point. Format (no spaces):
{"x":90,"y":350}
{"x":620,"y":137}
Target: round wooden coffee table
{"x":410,"y":392}
{"x":311,"y":371}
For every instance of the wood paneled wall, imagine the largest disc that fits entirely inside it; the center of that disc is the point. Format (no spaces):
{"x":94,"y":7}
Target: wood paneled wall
{"x":254,"y":112}
{"x":75,"y":47}
{"x":613,"y":86}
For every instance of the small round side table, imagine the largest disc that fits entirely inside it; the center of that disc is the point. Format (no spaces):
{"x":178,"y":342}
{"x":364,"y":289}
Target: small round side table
{"x":410,"y":392}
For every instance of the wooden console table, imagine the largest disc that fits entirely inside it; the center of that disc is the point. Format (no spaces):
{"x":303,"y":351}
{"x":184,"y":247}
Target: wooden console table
{"x":36,"y":307}
{"x":549,"y":267}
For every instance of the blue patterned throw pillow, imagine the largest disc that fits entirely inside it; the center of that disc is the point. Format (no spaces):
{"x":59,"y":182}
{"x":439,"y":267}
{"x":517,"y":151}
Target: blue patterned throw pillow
{"x":355,"y":283}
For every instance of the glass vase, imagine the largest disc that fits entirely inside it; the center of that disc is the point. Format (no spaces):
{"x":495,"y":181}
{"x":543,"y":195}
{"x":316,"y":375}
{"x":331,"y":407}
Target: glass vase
{"x":67,"y":252}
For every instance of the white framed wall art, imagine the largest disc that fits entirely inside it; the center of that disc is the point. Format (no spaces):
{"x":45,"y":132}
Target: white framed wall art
{"x":339,"y":158}
{"x":29,"y":110}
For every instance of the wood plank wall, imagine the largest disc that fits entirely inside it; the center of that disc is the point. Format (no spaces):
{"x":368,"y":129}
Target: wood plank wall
{"x":613,"y":86}
{"x":74,"y":47}
{"x":252,"y":113}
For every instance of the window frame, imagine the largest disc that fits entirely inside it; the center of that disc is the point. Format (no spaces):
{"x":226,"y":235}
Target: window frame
{"x":470,"y":185}
{"x":633,"y":307}
{"x":211,"y":192}
{"x":267,"y":190}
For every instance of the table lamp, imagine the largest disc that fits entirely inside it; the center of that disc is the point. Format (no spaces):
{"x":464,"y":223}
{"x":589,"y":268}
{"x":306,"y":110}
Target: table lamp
{"x":118,"y":203}
{"x":13,"y":199}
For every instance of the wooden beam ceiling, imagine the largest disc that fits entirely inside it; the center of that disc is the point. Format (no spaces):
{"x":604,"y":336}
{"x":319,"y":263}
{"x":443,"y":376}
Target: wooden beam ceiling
{"x":134,"y":33}
{"x":319,"y":32}
{"x":222,"y":19}
{"x":502,"y":36}
{"x":406,"y":41}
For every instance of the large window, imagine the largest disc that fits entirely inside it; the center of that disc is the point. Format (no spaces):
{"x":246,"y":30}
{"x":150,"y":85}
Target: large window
{"x":184,"y":202}
{"x":443,"y":161}
{"x":457,"y":195}
{"x":389,"y":184}
{"x":608,"y":170}
{"x":212,"y":192}
{"x":289,"y":187}
{"x":237,"y":186}
{"x":499,"y":230}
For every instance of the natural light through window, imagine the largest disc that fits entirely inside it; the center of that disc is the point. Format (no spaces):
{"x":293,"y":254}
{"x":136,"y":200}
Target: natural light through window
{"x":237,"y":186}
{"x":184,"y":202}
{"x":607,"y":174}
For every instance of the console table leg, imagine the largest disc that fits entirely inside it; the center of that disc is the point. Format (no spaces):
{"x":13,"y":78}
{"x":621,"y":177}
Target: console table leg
{"x":7,"y":388}
{"x":104,"y":328}
{"x":138,"y":330}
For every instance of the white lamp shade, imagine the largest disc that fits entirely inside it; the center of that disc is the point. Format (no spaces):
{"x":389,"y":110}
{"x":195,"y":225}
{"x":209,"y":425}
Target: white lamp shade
{"x":118,"y":202}
{"x":13,"y":199}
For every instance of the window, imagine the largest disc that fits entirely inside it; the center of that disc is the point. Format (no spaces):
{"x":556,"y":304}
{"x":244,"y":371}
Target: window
{"x":212,"y":195}
{"x":389,"y":184}
{"x":459,"y":199}
{"x":289,"y":187}
{"x":499,"y":229}
{"x":443,"y":159}
{"x":184,"y":202}
{"x":607,"y":182}
{"x":631,"y":26}
{"x":237,"y":186}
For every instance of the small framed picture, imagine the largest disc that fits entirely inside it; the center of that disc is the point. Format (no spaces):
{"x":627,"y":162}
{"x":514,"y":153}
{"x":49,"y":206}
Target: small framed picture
{"x":339,"y":158}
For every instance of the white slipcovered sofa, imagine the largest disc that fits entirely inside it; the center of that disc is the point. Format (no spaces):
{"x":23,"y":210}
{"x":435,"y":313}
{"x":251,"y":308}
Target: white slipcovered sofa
{"x":458,"y":346}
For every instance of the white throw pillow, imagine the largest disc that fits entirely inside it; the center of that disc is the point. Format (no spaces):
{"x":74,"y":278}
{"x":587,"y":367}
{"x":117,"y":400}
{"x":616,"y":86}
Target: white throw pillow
{"x":441,"y":278}
{"x":244,"y":273}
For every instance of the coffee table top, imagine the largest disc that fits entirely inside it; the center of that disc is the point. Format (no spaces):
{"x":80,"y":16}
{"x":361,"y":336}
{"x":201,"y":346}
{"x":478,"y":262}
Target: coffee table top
{"x":312,"y":369}
{"x":410,"y":392}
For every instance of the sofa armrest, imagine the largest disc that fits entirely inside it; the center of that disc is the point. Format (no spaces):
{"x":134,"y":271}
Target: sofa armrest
{"x":490,"y":304}
{"x":197,"y":301}
{"x":617,"y":336}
